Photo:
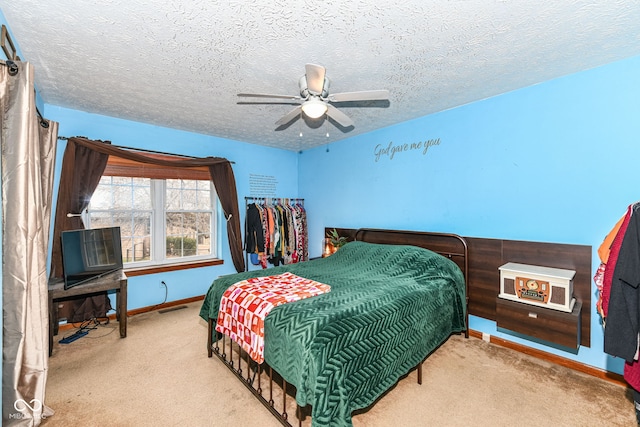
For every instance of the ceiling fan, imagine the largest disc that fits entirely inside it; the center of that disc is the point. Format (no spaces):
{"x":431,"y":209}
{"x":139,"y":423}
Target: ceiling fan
{"x":315,"y":99}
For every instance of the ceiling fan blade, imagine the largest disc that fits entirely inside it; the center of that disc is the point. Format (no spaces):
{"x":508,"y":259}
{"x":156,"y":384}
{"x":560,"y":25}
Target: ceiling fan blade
{"x":290,"y":116}
{"x":267,"y":95}
{"x":267,"y":103}
{"x":337,"y":115}
{"x":315,"y":78}
{"x":365,"y":95}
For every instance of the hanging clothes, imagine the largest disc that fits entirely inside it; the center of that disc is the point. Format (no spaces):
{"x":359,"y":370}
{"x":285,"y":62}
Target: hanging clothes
{"x":608,"y":252}
{"x":621,"y":295}
{"x":254,"y":236}
{"x":276,"y":231}
{"x":300,"y":222}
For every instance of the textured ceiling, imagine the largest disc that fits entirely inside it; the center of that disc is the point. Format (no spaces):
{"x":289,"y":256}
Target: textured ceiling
{"x":181,"y":63}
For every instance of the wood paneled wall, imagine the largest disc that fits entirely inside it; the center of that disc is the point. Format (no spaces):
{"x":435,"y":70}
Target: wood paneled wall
{"x":486,"y":255}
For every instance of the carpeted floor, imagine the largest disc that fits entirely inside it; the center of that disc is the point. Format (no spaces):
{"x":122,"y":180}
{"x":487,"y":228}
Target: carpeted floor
{"x":160,"y":375}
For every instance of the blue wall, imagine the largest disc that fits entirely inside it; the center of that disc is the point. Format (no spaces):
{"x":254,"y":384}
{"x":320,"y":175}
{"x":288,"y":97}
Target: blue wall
{"x":555,"y":162}
{"x":249,"y":159}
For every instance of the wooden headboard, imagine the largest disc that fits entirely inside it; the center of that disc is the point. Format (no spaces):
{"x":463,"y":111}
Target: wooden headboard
{"x":484,"y":258}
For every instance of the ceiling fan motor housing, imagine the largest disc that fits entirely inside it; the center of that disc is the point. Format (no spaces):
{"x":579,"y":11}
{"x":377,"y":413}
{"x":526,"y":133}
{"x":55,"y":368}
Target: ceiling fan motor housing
{"x":304,"y":89}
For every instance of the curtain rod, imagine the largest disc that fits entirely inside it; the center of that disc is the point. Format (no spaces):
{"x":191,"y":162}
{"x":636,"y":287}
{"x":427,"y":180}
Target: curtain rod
{"x":66,"y":138}
{"x":8,"y":47}
{"x":11,"y":53}
{"x":13,"y":70}
{"x":43,"y":122}
{"x":11,"y":66}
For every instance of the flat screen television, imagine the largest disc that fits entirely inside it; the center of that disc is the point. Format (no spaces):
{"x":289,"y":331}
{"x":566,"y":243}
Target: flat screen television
{"x":88,"y":254}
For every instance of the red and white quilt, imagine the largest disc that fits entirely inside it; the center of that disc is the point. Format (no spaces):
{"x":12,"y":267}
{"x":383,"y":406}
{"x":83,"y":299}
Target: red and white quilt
{"x":245,"y":305}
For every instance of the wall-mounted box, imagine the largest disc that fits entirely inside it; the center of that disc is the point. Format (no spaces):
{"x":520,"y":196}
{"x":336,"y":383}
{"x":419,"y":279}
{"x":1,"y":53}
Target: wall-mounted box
{"x":536,"y":285}
{"x":553,"y":326}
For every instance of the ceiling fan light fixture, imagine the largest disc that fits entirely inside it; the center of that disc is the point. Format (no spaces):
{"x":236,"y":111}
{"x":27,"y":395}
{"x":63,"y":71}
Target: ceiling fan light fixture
{"x":314,"y":108}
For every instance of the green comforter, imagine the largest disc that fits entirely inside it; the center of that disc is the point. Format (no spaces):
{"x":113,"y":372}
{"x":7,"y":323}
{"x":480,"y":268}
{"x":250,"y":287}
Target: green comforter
{"x":389,"y":307}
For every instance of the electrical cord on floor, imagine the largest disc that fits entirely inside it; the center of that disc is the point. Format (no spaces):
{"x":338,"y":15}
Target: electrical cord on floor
{"x":95,"y":322}
{"x":92,"y":324}
{"x":100,"y":322}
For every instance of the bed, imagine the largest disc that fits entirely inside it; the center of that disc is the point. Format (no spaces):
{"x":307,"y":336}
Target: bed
{"x":392,"y":303}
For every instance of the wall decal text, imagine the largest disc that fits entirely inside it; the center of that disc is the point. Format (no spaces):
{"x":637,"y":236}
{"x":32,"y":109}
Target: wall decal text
{"x":262,"y":185}
{"x":391,"y":150}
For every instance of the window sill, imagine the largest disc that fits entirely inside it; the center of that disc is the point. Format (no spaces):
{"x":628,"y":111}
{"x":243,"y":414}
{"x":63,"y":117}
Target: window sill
{"x":131,"y":272}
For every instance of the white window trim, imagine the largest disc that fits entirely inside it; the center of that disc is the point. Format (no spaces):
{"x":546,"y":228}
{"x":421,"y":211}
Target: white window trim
{"x":158,"y":220}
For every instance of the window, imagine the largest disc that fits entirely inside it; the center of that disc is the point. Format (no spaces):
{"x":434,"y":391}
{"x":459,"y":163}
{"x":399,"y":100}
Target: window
{"x":188,"y":217}
{"x":162,"y":221}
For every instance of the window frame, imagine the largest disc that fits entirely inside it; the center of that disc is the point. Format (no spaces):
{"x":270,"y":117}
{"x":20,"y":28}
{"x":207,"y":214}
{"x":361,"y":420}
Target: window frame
{"x":117,"y":166}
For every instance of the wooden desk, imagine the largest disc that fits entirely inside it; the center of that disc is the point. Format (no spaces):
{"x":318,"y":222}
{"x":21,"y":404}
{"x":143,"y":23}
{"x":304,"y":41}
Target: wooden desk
{"x":116,"y":280}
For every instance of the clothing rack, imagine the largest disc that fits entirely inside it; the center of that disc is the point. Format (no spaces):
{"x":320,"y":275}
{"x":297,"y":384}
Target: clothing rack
{"x":295,"y":236}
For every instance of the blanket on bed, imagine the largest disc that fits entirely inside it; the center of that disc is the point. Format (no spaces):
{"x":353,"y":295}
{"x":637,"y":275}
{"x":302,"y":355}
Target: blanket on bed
{"x":246,"y":304}
{"x":389,"y":307}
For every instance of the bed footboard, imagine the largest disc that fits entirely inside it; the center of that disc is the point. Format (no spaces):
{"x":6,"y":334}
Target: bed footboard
{"x":264,"y":382}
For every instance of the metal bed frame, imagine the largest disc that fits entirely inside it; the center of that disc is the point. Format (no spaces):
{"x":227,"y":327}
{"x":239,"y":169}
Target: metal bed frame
{"x":267,"y":385}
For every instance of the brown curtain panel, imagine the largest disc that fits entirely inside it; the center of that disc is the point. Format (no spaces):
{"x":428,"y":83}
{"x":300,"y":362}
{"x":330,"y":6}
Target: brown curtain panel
{"x":82,"y":169}
{"x":225,"y":188}
{"x":222,"y":177}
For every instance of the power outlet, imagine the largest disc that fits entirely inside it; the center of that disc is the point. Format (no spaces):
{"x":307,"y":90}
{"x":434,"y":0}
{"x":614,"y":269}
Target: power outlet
{"x":486,"y":337}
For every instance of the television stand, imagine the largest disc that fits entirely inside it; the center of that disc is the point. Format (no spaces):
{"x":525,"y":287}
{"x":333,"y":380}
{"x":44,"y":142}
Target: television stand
{"x":116,"y":280}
